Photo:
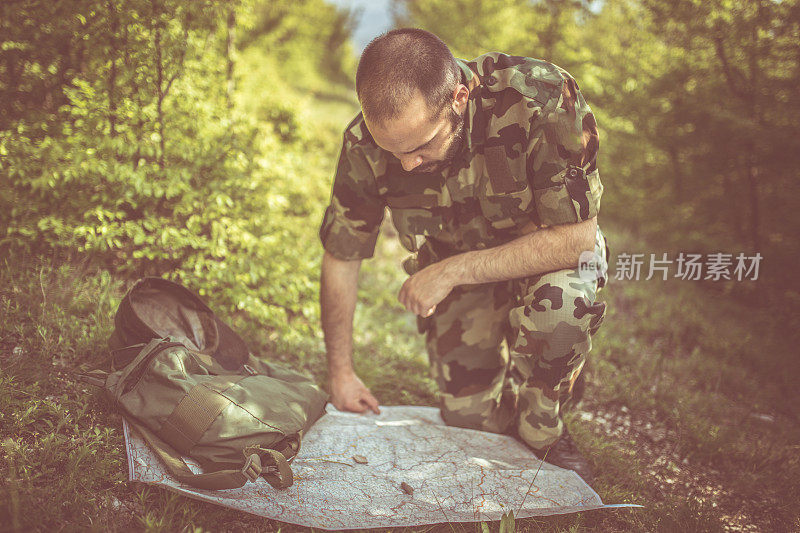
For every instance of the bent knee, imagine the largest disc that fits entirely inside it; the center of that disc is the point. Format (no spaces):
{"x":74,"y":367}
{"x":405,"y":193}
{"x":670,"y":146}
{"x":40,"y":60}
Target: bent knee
{"x":486,"y":410}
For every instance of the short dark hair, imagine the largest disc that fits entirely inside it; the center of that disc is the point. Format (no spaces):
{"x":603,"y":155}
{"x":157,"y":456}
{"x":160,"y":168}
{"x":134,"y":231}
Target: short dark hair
{"x":397,"y":63}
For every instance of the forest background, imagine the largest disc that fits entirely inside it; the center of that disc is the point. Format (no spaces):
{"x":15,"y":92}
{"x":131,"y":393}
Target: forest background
{"x":196,"y":140}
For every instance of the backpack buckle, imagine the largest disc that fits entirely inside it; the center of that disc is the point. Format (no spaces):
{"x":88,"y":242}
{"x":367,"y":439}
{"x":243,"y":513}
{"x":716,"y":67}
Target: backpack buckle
{"x":252,"y":467}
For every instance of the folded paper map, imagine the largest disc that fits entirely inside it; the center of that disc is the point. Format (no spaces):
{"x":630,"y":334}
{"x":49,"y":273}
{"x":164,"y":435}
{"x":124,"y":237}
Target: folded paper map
{"x":404,"y":467}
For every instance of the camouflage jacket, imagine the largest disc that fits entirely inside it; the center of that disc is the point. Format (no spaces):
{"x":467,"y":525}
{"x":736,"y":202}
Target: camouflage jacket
{"x":528,"y":161}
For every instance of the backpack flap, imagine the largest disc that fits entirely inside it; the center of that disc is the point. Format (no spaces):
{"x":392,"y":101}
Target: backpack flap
{"x":309,"y":396}
{"x":156,"y":308}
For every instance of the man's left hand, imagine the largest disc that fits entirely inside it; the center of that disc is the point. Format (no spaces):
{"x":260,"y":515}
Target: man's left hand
{"x":423,"y":291}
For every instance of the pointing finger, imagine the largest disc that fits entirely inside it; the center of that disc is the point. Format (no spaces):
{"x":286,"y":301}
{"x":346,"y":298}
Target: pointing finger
{"x":372,"y":403}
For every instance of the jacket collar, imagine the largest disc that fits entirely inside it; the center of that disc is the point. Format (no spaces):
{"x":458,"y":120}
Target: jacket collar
{"x":473,"y":122}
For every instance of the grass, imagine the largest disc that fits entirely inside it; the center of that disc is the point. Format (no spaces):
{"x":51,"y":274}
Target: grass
{"x":688,"y":408}
{"x":691,"y":404}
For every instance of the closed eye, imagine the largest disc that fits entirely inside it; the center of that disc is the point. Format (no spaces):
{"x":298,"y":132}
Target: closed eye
{"x":421,"y":147}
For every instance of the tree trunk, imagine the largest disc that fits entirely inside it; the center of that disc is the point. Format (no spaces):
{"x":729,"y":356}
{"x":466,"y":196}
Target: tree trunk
{"x":677,"y":175}
{"x":753,"y":189}
{"x":112,"y":75}
{"x":159,"y":64}
{"x":736,"y":216}
{"x":230,"y":50}
{"x":744,"y":86}
{"x":550,"y":37}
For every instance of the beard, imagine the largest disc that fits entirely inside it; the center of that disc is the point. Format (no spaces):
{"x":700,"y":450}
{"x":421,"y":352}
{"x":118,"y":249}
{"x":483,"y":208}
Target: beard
{"x":454,"y":144}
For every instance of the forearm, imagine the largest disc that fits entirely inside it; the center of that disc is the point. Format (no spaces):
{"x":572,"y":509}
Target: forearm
{"x":338,"y":295}
{"x":544,"y":250}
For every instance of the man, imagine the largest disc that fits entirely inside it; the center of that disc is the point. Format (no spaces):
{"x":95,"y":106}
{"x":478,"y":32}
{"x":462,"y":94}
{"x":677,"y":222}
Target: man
{"x":489,"y":170}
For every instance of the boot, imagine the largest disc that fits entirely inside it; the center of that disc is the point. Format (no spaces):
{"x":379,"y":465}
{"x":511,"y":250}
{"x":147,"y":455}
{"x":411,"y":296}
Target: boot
{"x":564,"y":453}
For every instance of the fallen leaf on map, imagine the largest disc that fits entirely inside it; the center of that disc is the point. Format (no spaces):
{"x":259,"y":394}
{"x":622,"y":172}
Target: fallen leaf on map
{"x":408,"y":489}
{"x":360,"y":459}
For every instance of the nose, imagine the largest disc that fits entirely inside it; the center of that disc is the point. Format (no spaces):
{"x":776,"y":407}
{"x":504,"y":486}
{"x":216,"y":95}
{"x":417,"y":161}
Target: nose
{"x":410,"y":163}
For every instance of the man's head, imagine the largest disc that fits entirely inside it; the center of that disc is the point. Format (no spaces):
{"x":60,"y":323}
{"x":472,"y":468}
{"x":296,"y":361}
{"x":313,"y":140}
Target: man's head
{"x":413,"y":101}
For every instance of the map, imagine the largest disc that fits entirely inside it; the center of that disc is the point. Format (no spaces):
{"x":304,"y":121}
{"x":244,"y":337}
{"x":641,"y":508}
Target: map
{"x":404,"y":467}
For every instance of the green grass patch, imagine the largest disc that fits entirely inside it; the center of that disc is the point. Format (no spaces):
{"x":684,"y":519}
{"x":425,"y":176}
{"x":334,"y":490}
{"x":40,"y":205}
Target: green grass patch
{"x":710,"y":378}
{"x":691,"y":405}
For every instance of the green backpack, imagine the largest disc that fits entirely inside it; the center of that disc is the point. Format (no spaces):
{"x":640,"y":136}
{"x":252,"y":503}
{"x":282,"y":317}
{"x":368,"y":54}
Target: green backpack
{"x":188,"y":384}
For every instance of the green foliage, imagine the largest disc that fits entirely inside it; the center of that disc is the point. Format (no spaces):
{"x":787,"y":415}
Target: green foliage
{"x":705,"y":87}
{"x":521,"y":27}
{"x":51,"y":432}
{"x":699,"y":365}
{"x":62,"y":456}
{"x":196,"y":140}
{"x":697,"y":104}
{"x":153,"y":162}
{"x":507,"y":524}
{"x":310,"y":39}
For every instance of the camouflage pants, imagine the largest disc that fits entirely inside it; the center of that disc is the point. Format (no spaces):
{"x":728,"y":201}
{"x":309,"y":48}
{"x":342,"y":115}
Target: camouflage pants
{"x":506,"y":355}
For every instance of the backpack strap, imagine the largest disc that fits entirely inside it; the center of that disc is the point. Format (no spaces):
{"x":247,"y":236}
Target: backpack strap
{"x":278,"y":473}
{"x":291,"y":447}
{"x":96,"y":377}
{"x":119,"y":358}
{"x":142,"y":358}
{"x":122,"y":357}
{"x":196,"y":411}
{"x":221,"y":479}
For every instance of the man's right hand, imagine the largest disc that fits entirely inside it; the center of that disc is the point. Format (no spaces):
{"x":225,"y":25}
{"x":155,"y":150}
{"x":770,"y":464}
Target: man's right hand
{"x":348,"y":393}
{"x":338,"y":294}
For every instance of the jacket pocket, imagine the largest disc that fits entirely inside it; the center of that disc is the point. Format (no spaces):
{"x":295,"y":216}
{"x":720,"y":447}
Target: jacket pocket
{"x":574,"y":197}
{"x":554,"y":205}
{"x":415,"y":215}
{"x":508,"y":209}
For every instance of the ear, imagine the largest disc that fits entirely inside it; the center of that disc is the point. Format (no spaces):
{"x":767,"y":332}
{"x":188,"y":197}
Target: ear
{"x":460,"y":97}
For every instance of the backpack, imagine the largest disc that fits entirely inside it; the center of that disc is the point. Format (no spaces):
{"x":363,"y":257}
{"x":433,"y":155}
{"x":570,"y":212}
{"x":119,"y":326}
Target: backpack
{"x":187,"y":382}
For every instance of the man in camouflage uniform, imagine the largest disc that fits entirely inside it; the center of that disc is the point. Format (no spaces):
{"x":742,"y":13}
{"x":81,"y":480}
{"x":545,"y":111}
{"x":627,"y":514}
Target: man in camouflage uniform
{"x":489,"y":170}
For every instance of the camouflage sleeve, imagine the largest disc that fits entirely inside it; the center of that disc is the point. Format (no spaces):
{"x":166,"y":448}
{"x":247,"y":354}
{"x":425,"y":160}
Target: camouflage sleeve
{"x":562,"y":159}
{"x":352,"y":220}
